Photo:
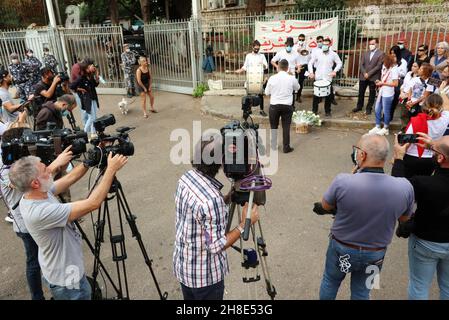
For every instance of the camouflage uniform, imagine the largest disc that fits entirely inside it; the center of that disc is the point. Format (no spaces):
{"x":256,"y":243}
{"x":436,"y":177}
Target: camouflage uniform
{"x":112,"y":69}
{"x":129,"y":60}
{"x":33,"y":66}
{"x":50,"y":61}
{"x":20,"y":77}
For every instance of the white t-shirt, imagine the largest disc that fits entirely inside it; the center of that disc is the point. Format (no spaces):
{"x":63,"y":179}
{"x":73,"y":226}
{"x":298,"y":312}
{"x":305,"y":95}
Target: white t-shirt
{"x":255,"y":59}
{"x":388,"y":75}
{"x":436,"y":130}
{"x":406,"y":83}
{"x":292,"y":58}
{"x":403,"y":68}
{"x":280,"y":87}
{"x":418,"y":87}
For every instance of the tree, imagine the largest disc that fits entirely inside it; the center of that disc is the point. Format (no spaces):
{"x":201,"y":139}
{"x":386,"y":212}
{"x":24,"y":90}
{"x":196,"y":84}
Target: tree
{"x":255,"y":7}
{"x":146,"y":10}
{"x":113,"y":11}
{"x":305,"y":5}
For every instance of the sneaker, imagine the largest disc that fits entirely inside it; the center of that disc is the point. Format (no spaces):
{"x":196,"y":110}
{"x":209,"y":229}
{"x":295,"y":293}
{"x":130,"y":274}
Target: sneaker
{"x":9,"y":218}
{"x":374,"y":130}
{"x":384,"y":132}
{"x":263,"y":113}
{"x":288,"y":149}
{"x":356,"y":110}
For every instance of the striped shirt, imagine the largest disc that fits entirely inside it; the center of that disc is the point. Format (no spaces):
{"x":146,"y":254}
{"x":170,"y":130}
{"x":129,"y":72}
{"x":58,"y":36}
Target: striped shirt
{"x":199,"y":258}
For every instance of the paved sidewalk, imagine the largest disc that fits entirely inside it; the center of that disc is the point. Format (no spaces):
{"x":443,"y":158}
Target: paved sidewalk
{"x":229,"y":107}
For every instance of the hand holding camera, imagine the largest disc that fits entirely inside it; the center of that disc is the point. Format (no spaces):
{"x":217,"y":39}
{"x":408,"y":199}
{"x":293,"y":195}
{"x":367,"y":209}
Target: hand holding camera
{"x":115,"y":163}
{"x":63,"y":159}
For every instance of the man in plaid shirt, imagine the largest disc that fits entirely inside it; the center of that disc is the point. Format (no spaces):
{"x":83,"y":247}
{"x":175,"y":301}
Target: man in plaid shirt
{"x":199,"y":259}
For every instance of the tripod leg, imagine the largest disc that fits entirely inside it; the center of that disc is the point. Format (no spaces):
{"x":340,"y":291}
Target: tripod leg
{"x":261,"y":248}
{"x":123,"y":203}
{"x":97,"y":247}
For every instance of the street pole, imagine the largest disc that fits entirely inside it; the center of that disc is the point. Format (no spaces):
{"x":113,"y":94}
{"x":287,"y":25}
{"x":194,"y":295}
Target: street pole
{"x":196,"y":9}
{"x":54,"y":26}
{"x":51,"y":13}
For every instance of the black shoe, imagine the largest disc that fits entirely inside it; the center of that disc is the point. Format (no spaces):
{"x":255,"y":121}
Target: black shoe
{"x":334,"y":102}
{"x":288,"y":149}
{"x":299,"y":99}
{"x":356,"y":110}
{"x":263,"y":113}
{"x":328,"y":115}
{"x":368,"y":112}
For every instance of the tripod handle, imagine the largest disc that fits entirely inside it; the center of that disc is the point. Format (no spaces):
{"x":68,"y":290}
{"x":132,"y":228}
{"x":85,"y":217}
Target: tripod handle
{"x":248,"y":213}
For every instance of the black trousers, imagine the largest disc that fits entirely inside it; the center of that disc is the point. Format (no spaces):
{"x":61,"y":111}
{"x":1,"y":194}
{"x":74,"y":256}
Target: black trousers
{"x":301,"y":78}
{"x":363,"y":84}
{"x":283,"y":112}
{"x":327,"y":103}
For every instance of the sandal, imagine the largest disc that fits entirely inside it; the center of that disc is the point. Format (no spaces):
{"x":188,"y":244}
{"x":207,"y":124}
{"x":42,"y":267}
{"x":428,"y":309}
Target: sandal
{"x":145,"y":115}
{"x":154,"y":111}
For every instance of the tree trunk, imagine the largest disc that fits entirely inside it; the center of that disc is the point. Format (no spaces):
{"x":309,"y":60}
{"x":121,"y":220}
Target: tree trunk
{"x":167,"y":9}
{"x":146,"y":12}
{"x":113,"y":11}
{"x":255,"y":7}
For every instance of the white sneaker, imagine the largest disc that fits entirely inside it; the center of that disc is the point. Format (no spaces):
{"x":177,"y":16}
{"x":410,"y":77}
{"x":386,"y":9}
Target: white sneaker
{"x":9,"y":218}
{"x":374,"y":130}
{"x":384,"y":132}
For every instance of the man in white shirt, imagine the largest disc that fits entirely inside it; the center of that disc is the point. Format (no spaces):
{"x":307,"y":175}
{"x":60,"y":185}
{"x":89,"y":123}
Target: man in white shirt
{"x":255,"y":58}
{"x":304,"y":58}
{"x":280,"y":88}
{"x":324,"y":61}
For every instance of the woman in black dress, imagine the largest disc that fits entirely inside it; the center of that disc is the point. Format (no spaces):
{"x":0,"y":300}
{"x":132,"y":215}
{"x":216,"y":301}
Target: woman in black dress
{"x":144,"y":81}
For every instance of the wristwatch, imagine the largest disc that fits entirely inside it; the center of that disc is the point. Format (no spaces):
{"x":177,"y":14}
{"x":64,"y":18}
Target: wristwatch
{"x":240,"y":229}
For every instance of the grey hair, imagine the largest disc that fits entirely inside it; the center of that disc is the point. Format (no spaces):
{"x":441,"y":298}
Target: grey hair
{"x":23,"y":172}
{"x":377,"y":147}
{"x":67,"y":98}
{"x":445,"y":46}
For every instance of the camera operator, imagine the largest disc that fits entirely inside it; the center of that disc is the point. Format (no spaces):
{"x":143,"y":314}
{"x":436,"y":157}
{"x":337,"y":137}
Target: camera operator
{"x":45,"y":90}
{"x":10,"y":111}
{"x":368,"y":204}
{"x":53,"y":112}
{"x":12,"y":197}
{"x":280,"y":88}
{"x":199,"y":259}
{"x":51,"y":224}
{"x":428,"y":246}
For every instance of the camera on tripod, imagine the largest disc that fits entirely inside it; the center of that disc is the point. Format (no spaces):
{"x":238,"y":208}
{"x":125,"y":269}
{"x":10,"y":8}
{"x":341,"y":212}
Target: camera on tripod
{"x":45,"y":144}
{"x":248,"y":102}
{"x":116,"y":144}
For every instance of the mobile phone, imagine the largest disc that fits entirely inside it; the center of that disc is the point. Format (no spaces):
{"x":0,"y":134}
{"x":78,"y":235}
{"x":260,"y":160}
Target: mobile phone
{"x":407,"y":138}
{"x":434,"y":82}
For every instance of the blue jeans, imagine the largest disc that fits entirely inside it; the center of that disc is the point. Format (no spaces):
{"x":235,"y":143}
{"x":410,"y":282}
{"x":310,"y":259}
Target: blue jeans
{"x":426,"y":257}
{"x":80,"y":291}
{"x":383,"y":104}
{"x":33,"y":269}
{"x":89,"y":118}
{"x":213,"y":292}
{"x":341,"y":260}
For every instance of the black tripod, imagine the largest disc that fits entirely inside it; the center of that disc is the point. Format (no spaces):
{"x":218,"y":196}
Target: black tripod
{"x":119,"y":254}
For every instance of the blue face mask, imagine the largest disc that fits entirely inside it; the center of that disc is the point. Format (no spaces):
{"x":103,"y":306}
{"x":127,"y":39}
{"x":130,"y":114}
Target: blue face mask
{"x":289,"y":49}
{"x":320,"y":45}
{"x":325,"y":48}
{"x":65,"y":113}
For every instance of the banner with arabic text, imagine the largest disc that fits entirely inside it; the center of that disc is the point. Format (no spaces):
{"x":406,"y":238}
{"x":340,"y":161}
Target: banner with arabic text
{"x":272,"y":35}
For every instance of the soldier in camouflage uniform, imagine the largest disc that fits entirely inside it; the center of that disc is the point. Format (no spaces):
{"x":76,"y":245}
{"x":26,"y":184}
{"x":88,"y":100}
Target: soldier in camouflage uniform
{"x":50,"y":61}
{"x":19,"y":75}
{"x":33,"y":67}
{"x":129,"y":60}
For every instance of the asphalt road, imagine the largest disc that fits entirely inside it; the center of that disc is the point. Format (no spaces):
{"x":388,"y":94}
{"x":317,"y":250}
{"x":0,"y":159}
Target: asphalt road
{"x":296,"y":238}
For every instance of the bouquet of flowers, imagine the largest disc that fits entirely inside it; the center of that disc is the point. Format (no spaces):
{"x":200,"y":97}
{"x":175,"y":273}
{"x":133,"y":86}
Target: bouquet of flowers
{"x":306,"y":117}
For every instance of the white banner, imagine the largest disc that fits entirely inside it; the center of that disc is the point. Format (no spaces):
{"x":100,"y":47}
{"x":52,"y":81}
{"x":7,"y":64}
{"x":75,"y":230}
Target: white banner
{"x":272,"y":35}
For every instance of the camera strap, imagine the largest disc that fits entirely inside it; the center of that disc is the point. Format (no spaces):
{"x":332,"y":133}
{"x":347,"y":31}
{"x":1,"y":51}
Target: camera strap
{"x":372,"y":170}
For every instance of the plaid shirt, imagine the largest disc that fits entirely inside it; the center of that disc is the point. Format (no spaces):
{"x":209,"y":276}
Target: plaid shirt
{"x":199,"y":259}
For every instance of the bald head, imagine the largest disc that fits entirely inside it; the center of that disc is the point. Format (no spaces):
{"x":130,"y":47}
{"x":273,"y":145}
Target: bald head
{"x":442,"y":145}
{"x":376,"y":147}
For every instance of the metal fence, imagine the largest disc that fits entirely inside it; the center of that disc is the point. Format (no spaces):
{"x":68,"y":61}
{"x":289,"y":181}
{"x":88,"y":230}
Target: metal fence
{"x":176,"y":49}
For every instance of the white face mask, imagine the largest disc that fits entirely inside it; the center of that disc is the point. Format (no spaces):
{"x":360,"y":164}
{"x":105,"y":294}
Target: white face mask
{"x":300,"y":42}
{"x":127,"y":50}
{"x":29,"y":55}
{"x":372,"y":47}
{"x":15,"y":61}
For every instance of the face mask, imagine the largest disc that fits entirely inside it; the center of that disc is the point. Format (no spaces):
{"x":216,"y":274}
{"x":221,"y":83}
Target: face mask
{"x":289,"y":49}
{"x":354,"y":157}
{"x":320,"y":45}
{"x":15,"y":61}
{"x":127,"y":50}
{"x":325,"y":48}
{"x":29,"y":55}
{"x":65,"y":113}
{"x":401,"y":46}
{"x":301,"y":42}
{"x":372,"y":47}
{"x":256,"y":50}
{"x":46,"y":184}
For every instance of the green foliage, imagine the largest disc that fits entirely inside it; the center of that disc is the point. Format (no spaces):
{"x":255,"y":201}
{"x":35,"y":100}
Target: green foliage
{"x":200,"y":89}
{"x":305,"y":5}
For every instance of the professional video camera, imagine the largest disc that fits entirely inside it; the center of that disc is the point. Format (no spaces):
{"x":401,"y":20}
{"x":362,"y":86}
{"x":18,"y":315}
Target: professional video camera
{"x":104,"y":144}
{"x":45,"y":144}
{"x":248,"y":102}
{"x":63,"y":76}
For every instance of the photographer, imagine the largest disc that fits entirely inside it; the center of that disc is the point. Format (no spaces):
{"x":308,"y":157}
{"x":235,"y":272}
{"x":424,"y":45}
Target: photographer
{"x":368,"y":204}
{"x":51,"y":224}
{"x":433,"y":121}
{"x":45,"y":90}
{"x":10,"y":111}
{"x":428,"y":247}
{"x":53,"y":112}
{"x":199,"y":259}
{"x":12,"y":197}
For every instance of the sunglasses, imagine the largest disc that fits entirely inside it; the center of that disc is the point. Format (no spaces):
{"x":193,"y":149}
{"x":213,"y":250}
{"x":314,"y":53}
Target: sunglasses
{"x":421,"y":50}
